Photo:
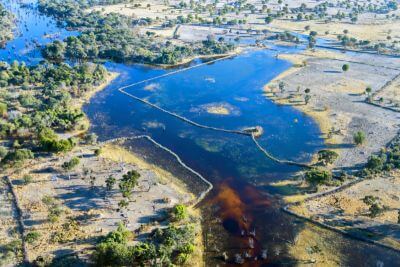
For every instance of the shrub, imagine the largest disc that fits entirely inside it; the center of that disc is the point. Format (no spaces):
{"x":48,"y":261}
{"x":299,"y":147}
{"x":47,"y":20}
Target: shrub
{"x":327,"y":156}
{"x":17,"y":156}
{"x":345,"y":67}
{"x":128,"y":183}
{"x":359,"y":138}
{"x":50,"y":142}
{"x":32,"y":237}
{"x":318,"y":176}
{"x":3,"y":152}
{"x":69,"y":165}
{"x":376,"y":163}
{"x":27,"y":179}
{"x":97,"y":152}
{"x":179,"y":212}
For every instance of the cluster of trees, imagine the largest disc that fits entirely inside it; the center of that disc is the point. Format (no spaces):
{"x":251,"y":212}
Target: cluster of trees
{"x":6,"y":25}
{"x":111,"y":37}
{"x":119,"y":44}
{"x":375,"y":207}
{"x":386,"y":160}
{"x":287,"y":37}
{"x":35,"y":103}
{"x":166,"y":246}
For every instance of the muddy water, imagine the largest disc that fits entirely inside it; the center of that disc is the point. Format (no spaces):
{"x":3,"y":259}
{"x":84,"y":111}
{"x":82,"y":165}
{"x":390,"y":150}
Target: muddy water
{"x":242,"y":216}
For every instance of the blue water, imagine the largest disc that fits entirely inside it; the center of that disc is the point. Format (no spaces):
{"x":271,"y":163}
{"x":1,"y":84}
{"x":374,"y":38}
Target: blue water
{"x":236,"y":83}
{"x":239,"y":171}
{"x":32,"y":29}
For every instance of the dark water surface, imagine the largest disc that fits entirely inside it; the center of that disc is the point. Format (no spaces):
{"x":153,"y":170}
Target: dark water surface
{"x":241,"y":203}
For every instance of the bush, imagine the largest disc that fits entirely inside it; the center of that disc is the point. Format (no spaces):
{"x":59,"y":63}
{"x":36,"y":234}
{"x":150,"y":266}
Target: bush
{"x":179,"y":212}
{"x":27,"y":179}
{"x":32,"y":237}
{"x":376,"y":163}
{"x":128,"y":183}
{"x":69,"y":165}
{"x":50,"y":142}
{"x":318,"y":176}
{"x":359,"y":138}
{"x":345,"y":67}
{"x":3,"y":152}
{"x":17,"y":156}
{"x":327,"y":156}
{"x":97,"y":152}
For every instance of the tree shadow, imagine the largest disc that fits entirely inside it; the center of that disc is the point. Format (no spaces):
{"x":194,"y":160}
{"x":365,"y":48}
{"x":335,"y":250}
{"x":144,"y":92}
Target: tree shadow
{"x":83,"y":198}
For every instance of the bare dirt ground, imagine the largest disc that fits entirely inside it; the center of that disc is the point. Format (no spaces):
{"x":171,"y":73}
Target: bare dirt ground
{"x":87,"y":209}
{"x":346,"y":210}
{"x":8,"y":228}
{"x":337,"y":100}
{"x":373,"y":26}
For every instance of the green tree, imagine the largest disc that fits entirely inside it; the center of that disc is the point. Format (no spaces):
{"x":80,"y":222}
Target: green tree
{"x":179,"y":212}
{"x":359,"y":138}
{"x":327,"y":156}
{"x":71,"y":164}
{"x":32,"y":237}
{"x":110,"y":182}
{"x":318,"y":176}
{"x":128,"y":183}
{"x":345,"y":67}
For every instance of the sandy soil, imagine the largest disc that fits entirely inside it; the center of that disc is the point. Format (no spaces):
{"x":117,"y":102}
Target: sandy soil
{"x":88,"y":209}
{"x":346,"y":209}
{"x":337,"y":100}
{"x":8,"y":227}
{"x":390,"y":95}
{"x":371,"y":31}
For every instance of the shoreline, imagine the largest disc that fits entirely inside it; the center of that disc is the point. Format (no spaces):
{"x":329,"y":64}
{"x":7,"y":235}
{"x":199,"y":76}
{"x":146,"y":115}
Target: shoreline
{"x":84,"y":125}
{"x":118,"y":153}
{"x":321,"y":118}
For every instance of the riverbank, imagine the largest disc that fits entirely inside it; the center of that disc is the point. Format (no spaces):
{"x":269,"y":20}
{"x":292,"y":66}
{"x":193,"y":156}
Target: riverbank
{"x":338,"y":107}
{"x":336,"y":100}
{"x":68,"y":210}
{"x":78,"y":103}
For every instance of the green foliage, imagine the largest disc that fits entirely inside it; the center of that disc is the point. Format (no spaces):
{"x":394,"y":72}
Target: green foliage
{"x":3,"y":109}
{"x":359,"y":138}
{"x":110,"y":37}
{"x":6,"y":25}
{"x":318,"y":176}
{"x":179,"y":212}
{"x":376,"y":163}
{"x":128,"y":183}
{"x":345,"y":67}
{"x":327,"y":156}
{"x":17,"y":156}
{"x":97,"y":152}
{"x":165,"y":246}
{"x":375,"y":209}
{"x":386,"y":160}
{"x":32,"y":237}
{"x":27,"y":179}
{"x":110,"y":182}
{"x":50,"y":142}
{"x":71,"y":164}
{"x":55,"y":212}
{"x":3,"y":152}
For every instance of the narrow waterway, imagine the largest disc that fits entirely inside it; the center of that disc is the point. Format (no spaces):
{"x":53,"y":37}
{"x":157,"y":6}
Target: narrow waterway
{"x":242,"y":214}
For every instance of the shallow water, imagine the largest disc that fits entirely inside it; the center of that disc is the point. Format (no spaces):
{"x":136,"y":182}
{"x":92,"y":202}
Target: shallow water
{"x":241,"y":201}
